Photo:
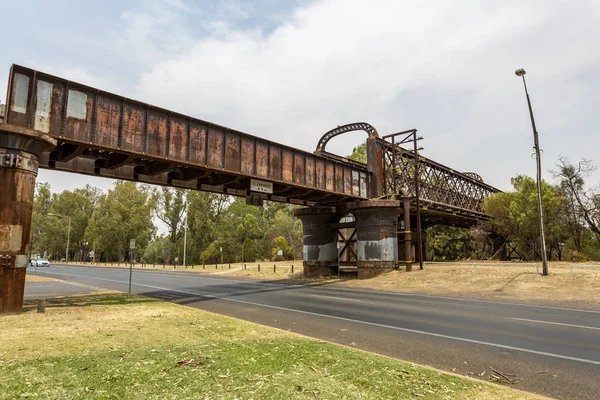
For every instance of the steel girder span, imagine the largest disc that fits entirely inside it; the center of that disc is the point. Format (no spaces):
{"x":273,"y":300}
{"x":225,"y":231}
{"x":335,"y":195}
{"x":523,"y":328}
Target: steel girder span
{"x":103,"y":134}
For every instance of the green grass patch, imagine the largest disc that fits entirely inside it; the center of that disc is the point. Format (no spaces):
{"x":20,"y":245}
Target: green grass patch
{"x":115,"y":347}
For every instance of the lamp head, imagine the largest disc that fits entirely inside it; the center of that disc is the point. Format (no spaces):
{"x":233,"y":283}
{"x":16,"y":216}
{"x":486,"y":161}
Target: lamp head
{"x":520,"y":72}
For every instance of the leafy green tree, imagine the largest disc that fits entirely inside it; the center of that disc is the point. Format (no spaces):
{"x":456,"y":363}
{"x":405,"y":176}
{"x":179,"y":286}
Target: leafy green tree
{"x":515,"y":216}
{"x":39,"y":221}
{"x":449,"y":243}
{"x":281,"y":245}
{"x":359,"y":153}
{"x":124,"y":213}
{"x":284,"y":224}
{"x":204,"y":213}
{"x":169,"y":207}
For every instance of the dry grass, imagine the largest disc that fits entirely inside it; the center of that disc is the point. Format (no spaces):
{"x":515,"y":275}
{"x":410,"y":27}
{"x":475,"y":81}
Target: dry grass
{"x":102,"y":347}
{"x":38,"y":278}
{"x":499,"y":281}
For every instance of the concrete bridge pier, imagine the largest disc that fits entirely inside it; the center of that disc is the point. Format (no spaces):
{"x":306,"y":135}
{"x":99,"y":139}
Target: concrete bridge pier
{"x":19,"y":153}
{"x":320,"y":240}
{"x":377,"y":241}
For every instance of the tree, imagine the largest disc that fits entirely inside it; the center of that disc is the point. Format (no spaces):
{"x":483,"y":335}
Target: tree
{"x":515,"y":216}
{"x":284,"y":224}
{"x":39,"y":220}
{"x":124,"y":213}
{"x":449,"y":243}
{"x":169,"y":207}
{"x":281,"y":245}
{"x":204,"y":213}
{"x":359,"y":153}
{"x":582,"y":205}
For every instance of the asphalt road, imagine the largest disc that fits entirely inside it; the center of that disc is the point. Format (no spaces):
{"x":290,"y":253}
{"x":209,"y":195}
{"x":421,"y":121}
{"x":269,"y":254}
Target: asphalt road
{"x":551,"y":350}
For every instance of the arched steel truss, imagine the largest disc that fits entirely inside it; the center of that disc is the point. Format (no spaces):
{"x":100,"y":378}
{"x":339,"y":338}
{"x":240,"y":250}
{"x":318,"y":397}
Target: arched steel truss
{"x":356,"y":126}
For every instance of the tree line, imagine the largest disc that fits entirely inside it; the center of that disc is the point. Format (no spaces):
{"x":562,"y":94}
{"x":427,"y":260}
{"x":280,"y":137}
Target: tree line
{"x":102,"y":225}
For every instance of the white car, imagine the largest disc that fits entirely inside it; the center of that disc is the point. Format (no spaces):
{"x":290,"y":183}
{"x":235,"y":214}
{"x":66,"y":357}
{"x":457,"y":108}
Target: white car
{"x":41,"y":262}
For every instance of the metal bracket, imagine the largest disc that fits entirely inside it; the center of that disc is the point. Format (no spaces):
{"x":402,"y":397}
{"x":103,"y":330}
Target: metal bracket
{"x":11,"y":161}
{"x":19,"y":161}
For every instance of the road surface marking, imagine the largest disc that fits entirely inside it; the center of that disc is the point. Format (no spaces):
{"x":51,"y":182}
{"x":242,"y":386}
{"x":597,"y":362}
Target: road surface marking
{"x":501,"y":346}
{"x":556,"y":323}
{"x":335,"y":298}
{"x":433,"y":296}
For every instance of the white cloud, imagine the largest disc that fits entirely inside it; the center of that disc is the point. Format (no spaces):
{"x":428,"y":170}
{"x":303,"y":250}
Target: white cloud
{"x":445,"y":68}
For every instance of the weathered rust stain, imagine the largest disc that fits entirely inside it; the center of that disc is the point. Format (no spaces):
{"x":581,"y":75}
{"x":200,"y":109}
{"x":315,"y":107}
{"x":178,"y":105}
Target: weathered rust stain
{"x":275,"y":170}
{"x":262,"y":159}
{"x":347,"y":181}
{"x":329,"y":176}
{"x":178,"y":139}
{"x":11,"y":238}
{"x":310,"y":171}
{"x":197,"y":144}
{"x":287,"y":165}
{"x":232,"y":152}
{"x":248,"y":161}
{"x":108,"y":112}
{"x":298,"y":169}
{"x":133,"y":128}
{"x":157,"y":132}
{"x":320,"y":169}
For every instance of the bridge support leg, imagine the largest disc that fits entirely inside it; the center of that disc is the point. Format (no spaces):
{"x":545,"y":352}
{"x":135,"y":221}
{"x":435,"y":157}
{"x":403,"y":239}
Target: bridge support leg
{"x":19,"y":152}
{"x":320,"y":257}
{"x":377,"y":240}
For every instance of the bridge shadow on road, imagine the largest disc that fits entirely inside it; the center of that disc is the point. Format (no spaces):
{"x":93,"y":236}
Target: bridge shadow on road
{"x":187,"y":295}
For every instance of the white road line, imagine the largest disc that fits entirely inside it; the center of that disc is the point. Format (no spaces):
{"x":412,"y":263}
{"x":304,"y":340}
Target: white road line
{"x":432,"y":296}
{"x":557,"y":323}
{"x":335,"y":298}
{"x":502,"y":346}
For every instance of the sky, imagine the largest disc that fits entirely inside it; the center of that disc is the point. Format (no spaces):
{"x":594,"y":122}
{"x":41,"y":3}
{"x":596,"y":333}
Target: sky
{"x":291,"y":71}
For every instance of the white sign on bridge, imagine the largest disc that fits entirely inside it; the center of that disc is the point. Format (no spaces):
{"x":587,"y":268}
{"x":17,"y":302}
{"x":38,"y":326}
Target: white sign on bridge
{"x":261,"y":186}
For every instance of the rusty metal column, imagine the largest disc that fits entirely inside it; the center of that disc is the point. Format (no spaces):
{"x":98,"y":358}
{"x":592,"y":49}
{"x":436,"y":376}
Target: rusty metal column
{"x":406,"y":233}
{"x":375,"y":165}
{"x":19,"y":152}
{"x":377,"y":238}
{"x":319,"y":251}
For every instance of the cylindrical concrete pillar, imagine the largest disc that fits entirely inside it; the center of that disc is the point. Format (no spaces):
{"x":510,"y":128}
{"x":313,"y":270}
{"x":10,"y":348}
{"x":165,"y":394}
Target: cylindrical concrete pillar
{"x":19,"y":152}
{"x":319,"y":251}
{"x":377,"y":241}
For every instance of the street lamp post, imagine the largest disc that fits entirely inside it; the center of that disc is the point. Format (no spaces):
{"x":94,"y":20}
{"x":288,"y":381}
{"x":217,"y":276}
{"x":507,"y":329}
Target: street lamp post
{"x":68,"y":233}
{"x":536,"y":145}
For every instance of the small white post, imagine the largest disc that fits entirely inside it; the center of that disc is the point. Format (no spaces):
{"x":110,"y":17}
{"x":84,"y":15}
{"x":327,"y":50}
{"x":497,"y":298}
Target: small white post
{"x":571,"y":268}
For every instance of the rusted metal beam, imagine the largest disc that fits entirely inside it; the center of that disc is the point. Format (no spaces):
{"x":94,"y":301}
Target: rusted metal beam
{"x":129,"y":130}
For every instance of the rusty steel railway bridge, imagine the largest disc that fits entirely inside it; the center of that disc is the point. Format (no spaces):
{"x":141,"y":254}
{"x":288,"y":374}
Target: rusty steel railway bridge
{"x":53,"y":123}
